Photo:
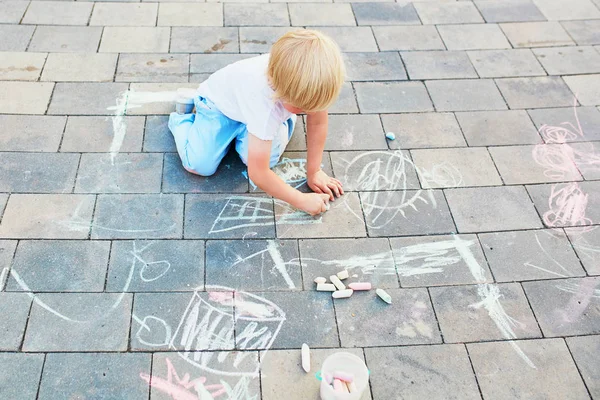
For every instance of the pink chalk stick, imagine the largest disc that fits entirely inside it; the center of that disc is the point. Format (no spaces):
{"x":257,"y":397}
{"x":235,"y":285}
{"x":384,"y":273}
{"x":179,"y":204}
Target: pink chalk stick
{"x":360,"y":286}
{"x":343,"y":376}
{"x":337,"y":385}
{"x":328,"y":378}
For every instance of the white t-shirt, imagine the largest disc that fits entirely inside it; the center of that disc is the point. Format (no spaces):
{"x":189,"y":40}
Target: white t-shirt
{"x":241,"y":91}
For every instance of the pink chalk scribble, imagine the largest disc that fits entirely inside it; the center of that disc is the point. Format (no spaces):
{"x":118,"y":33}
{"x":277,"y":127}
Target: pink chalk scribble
{"x":224,"y":298}
{"x":567,"y":206}
{"x":180,"y":388}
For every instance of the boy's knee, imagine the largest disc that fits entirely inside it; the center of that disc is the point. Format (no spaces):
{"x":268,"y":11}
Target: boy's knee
{"x":200,"y":168}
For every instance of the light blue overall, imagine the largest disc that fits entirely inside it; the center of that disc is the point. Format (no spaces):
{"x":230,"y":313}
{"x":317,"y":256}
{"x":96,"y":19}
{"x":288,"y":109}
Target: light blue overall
{"x":203,"y":138}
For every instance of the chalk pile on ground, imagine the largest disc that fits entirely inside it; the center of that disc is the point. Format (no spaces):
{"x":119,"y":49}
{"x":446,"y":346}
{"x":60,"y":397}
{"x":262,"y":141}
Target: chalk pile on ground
{"x":341,"y":291}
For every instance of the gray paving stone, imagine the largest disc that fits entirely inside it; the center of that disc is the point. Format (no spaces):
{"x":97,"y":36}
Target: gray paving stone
{"x":422,"y":130}
{"x":448,"y":13}
{"x":509,"y":11}
{"x":505,"y":63}
{"x":95,"y":322}
{"x":253,"y":265}
{"x":463,"y":318}
{"x":473,"y":37}
{"x":11,"y":12}
{"x":281,"y":372}
{"x":190,"y":14}
{"x":539,"y":92}
{"x":501,"y":371}
{"x":586,"y":88}
{"x":25,"y":97}
{"x":586,"y":243}
{"x":386,"y":14}
{"x":3,"y":201}
{"x":92,"y":374}
{"x":161,"y":321}
{"x":375,"y":170}
{"x":20,"y":66}
{"x":352,"y":39}
{"x":20,"y":374}
{"x":166,"y":106}
{"x":140,"y":14}
{"x":434,"y":372}
{"x":229,"y":178}
{"x":585,"y":351}
{"x":347,"y":132}
{"x":135,"y":40}
{"x":364,"y":320}
{"x":492,"y":209}
{"x":31,"y":133}
{"x":569,"y":60}
{"x":346,"y":102}
{"x":585,"y":159}
{"x":60,"y":266}
{"x":560,"y":125}
{"x":490,"y":128}
{"x":224,"y":216}
{"x":14,"y":310}
{"x":204,"y":40}
{"x":578,"y":9}
{"x":153,"y":68}
{"x":128,"y":216}
{"x":431,"y":164}
{"x":209,"y":63}
{"x":583,"y":32}
{"x":157,"y":136}
{"x":465,"y":95}
{"x":256,"y":14}
{"x":374,"y":67}
{"x":438,"y":64}
{"x":321,"y":14}
{"x":15,"y":37}
{"x":365,"y":259}
{"x":81,"y":67}
{"x":536,"y":34}
{"x":406,"y":212}
{"x":344,"y":213}
{"x":298,"y":140}
{"x":558,"y":203}
{"x":65,"y":39}
{"x":7,"y":249}
{"x":95,"y":134}
{"x":259,"y":39}
{"x":408,"y":38}
{"x":123,"y":173}
{"x":85,"y":98}
{"x":161,"y":265}
{"x":439,"y":260}
{"x":530,"y":255}
{"x":58,"y":13}
{"x":47,"y":216}
{"x":314,"y":326}
{"x":535,"y":164}
{"x":391,"y":97}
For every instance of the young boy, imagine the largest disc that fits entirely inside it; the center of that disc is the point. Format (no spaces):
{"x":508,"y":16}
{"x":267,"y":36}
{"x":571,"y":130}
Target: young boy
{"x":254,"y":102}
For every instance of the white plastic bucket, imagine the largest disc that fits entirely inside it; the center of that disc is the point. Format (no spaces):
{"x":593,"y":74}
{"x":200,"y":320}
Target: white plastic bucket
{"x":348,"y":363}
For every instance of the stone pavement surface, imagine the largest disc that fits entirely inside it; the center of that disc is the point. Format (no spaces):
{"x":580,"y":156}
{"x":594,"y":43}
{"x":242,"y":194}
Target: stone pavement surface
{"x":124,"y":277}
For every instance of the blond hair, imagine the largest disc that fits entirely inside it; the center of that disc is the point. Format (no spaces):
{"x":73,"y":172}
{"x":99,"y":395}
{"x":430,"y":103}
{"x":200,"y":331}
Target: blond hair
{"x":306,"y":70}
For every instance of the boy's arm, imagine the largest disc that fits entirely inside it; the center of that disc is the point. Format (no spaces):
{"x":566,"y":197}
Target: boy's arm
{"x":259,"y":154}
{"x":316,"y":134}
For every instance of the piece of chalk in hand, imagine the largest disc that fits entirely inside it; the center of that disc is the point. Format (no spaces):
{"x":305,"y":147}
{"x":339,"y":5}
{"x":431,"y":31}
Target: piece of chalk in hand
{"x":343,"y":376}
{"x":336,"y":281}
{"x":390,"y":136}
{"x":343,"y":275}
{"x":305,"y":358}
{"x":320,"y":279}
{"x":360,"y":286}
{"x":342,"y":294}
{"x":327,"y":207}
{"x":325,"y":287}
{"x":383,"y":295}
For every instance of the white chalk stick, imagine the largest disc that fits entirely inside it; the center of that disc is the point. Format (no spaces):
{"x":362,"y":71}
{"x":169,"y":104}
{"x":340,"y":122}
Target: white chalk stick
{"x":383,"y":295}
{"x":305,"y":358}
{"x":342,"y":294}
{"x":352,"y":387}
{"x":320,"y":279}
{"x":325,"y":287}
{"x":336,"y":281}
{"x":343,"y":275}
{"x":360,"y":286}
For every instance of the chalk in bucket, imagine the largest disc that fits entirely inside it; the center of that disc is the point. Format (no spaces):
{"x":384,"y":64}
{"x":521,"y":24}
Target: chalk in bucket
{"x":344,"y":364}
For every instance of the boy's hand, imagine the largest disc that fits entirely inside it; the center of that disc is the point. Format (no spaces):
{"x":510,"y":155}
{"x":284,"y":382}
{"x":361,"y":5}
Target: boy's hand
{"x":314,"y":203}
{"x":320,"y":182}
